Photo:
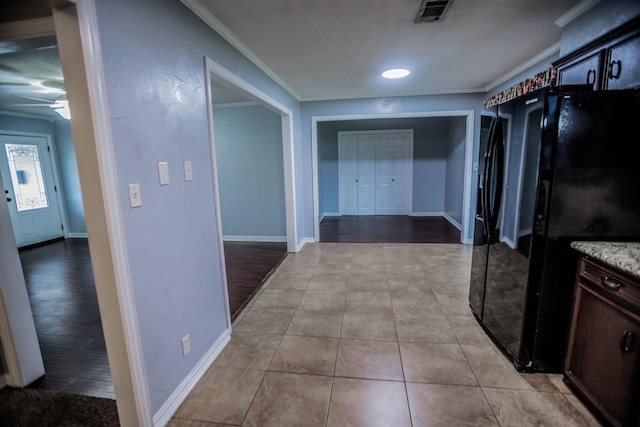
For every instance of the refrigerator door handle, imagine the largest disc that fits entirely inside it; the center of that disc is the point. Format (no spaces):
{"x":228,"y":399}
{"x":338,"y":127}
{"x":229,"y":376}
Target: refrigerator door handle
{"x":486,"y":191}
{"x":542,"y":204}
{"x":497,"y":170}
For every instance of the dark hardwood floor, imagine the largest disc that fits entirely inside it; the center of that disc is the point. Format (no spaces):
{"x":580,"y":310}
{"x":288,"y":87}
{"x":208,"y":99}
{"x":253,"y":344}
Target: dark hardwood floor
{"x":388,"y":229}
{"x":65,"y":308}
{"x":249,"y":264}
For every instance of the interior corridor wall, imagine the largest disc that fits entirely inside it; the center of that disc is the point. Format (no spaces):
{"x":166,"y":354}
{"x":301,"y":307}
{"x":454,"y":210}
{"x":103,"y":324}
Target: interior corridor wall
{"x":251,"y":173}
{"x":153,"y":53}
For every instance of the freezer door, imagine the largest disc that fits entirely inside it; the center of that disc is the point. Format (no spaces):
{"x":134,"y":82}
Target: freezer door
{"x":480,"y":240}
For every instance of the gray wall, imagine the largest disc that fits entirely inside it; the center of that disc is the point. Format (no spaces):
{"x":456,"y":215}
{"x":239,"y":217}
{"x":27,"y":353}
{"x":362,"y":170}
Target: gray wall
{"x":250,"y":171}
{"x":153,"y":64}
{"x":65,"y":159}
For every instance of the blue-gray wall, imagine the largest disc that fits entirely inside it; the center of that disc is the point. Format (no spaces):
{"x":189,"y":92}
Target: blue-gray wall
{"x":67,"y":166}
{"x":65,"y":159}
{"x":378,"y":107}
{"x":454,"y":188}
{"x":153,"y":65}
{"x":250,"y":171}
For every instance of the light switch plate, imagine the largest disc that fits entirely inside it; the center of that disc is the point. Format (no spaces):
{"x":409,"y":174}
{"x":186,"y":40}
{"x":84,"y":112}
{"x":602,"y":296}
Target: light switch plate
{"x":135,"y":198}
{"x":163,"y":171}
{"x":186,"y":345}
{"x":188,"y":171}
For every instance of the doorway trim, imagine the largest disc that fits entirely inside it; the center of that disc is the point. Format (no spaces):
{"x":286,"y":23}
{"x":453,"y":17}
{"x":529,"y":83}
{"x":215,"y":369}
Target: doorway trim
{"x":76,"y":26}
{"x":468,"y":159}
{"x":220,"y":73}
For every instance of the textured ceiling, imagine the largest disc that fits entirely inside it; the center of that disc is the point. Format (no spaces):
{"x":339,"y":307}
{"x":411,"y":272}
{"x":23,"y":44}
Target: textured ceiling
{"x":333,"y":49}
{"x":337,"y":48}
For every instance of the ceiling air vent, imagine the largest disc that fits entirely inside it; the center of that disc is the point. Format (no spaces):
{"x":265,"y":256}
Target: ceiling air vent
{"x":432,"y":11}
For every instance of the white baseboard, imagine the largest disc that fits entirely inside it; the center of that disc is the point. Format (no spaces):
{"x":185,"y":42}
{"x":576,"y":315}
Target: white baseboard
{"x":525,"y":232}
{"x":509,"y":242}
{"x":304,"y":242}
{"x":331,"y":214}
{"x":254,"y":238}
{"x":171,"y":405}
{"x":77,"y":235}
{"x":426,"y":214}
{"x":453,"y":222}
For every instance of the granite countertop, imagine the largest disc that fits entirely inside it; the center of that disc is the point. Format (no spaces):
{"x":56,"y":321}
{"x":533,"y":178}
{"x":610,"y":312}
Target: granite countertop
{"x":622,"y":256}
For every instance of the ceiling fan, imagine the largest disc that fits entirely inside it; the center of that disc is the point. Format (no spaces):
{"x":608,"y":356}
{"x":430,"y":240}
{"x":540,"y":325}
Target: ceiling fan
{"x":60,"y":105}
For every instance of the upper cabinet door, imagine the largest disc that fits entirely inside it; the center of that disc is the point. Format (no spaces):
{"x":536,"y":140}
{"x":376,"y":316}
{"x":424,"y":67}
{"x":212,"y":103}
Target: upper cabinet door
{"x":582,"y":71}
{"x":612,"y":61}
{"x":622,"y":70}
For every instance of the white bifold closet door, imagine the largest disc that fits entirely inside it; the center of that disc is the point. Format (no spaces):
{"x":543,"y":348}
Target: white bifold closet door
{"x":375,"y":172}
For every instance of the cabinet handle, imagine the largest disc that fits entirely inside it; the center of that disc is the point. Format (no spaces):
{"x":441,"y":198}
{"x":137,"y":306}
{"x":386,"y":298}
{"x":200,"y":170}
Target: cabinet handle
{"x":628,"y":342}
{"x":618,"y":65}
{"x":591,"y":77}
{"x":609,"y":283}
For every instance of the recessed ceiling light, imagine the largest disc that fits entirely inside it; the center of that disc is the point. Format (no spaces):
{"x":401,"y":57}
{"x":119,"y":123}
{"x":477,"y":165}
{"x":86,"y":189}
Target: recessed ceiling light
{"x":396,"y":73}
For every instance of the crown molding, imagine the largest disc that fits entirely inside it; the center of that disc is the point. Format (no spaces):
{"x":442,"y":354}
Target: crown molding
{"x":575,"y":12}
{"x":555,"y":48}
{"x":203,"y":13}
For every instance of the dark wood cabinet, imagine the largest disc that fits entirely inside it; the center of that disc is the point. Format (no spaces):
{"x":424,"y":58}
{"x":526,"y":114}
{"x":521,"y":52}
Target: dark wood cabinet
{"x":602,"y":360}
{"x":611,"y":61}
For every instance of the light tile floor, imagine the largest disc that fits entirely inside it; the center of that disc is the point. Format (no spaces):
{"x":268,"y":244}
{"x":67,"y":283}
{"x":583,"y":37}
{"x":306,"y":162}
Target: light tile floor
{"x":371,"y":335}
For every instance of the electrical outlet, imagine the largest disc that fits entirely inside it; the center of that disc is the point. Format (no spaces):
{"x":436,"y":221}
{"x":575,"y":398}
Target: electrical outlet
{"x":186,"y":345}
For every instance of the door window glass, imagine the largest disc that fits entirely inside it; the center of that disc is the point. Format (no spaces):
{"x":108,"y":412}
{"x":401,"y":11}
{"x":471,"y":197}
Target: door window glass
{"x":26,"y":176}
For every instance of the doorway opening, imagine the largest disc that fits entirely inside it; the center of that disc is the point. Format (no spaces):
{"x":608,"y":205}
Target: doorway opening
{"x":252,"y":153}
{"x":440,"y":182}
{"x":42,"y":190}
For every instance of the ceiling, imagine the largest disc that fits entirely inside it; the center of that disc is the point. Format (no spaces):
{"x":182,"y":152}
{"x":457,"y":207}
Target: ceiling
{"x":337,"y":49}
{"x":334,"y":49}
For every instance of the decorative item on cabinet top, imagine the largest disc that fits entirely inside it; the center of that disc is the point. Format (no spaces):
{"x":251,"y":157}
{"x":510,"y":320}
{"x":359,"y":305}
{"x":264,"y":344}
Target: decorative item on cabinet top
{"x":540,"y":80}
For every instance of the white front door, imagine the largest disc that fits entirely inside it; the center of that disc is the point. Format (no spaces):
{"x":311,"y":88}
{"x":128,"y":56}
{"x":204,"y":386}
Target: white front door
{"x":29,"y":188}
{"x":375,"y":172}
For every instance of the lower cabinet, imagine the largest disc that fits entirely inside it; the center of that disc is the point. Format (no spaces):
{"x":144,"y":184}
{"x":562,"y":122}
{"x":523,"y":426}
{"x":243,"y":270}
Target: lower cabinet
{"x":602,"y":361}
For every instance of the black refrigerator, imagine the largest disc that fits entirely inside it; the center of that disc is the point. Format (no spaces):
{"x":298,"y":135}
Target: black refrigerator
{"x":555,"y":165}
